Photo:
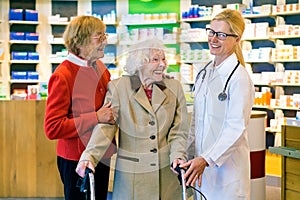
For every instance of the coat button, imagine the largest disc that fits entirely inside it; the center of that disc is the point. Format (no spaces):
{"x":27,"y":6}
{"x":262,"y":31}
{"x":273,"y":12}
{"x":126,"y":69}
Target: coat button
{"x":153,"y":150}
{"x":152,"y":137}
{"x":151,"y":123}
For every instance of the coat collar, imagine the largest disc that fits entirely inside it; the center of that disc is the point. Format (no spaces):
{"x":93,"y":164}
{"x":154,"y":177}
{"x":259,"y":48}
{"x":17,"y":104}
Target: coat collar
{"x":136,"y":83}
{"x":77,"y":60}
{"x":158,"y":95}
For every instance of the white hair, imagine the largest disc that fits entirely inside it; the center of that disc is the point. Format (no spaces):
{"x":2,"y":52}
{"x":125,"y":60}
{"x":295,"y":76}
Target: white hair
{"x":139,"y":54}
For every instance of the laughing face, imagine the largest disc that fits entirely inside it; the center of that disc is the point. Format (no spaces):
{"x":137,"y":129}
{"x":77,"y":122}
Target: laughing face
{"x":221,"y":47}
{"x":153,"y":71}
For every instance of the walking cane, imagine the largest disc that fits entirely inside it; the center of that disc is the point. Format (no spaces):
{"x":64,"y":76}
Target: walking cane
{"x":88,"y":184}
{"x":182,"y":171}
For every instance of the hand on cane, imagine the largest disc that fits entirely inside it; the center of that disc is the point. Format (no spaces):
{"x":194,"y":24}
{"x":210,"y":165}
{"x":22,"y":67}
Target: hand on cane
{"x":82,"y":165}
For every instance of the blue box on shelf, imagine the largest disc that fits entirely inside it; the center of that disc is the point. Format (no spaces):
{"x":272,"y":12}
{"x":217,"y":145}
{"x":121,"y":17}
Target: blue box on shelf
{"x":19,"y":55}
{"x":33,"y":75}
{"x":16,"y":14}
{"x":17,"y":75}
{"x":17,"y":35}
{"x":31,"y":15}
{"x":32,"y":36}
{"x":33,"y":56}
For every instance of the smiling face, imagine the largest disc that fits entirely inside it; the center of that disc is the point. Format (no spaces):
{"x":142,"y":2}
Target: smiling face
{"x":221,"y":48}
{"x":95,"y":48}
{"x":153,"y":70}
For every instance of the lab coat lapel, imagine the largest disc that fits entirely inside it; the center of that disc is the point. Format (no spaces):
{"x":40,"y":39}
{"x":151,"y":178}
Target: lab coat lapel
{"x":225,"y":68}
{"x":158,"y":97}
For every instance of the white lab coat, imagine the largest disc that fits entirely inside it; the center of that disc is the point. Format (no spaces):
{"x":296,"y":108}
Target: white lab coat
{"x":218,"y":131}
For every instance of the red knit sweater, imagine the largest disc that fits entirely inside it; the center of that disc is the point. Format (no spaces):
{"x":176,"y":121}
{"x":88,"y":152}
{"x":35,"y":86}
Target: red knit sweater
{"x":75,"y":93}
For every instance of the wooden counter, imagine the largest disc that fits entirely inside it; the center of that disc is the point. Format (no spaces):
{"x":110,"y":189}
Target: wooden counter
{"x":27,"y":158}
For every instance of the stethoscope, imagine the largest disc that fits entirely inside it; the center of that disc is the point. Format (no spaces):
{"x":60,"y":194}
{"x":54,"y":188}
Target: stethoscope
{"x":222,"y":96}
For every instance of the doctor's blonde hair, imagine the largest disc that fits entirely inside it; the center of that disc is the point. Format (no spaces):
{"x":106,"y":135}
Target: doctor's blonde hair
{"x":139,"y":54}
{"x":237,"y":26}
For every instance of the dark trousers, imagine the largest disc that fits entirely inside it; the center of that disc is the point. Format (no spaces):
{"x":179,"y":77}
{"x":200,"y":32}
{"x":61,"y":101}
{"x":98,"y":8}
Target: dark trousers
{"x":69,"y":178}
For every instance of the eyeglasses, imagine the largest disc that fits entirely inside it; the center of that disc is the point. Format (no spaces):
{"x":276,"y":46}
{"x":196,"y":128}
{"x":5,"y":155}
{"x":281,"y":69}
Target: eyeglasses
{"x":220,"y":35}
{"x":101,"y":37}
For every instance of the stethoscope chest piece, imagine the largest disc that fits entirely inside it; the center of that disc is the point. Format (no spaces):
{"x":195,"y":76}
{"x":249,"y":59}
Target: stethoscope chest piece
{"x":222,"y":96}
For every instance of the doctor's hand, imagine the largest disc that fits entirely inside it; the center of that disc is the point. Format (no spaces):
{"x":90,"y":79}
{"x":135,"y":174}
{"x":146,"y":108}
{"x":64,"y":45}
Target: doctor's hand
{"x":82,"y":165}
{"x":195,"y":170}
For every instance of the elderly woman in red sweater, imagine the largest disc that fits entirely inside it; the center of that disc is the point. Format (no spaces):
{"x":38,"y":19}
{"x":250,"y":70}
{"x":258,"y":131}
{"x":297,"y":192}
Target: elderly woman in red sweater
{"x":74,"y":107}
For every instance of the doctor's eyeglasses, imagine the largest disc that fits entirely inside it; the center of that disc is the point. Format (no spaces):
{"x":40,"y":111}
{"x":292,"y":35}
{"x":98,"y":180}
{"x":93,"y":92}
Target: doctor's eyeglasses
{"x":220,"y":35}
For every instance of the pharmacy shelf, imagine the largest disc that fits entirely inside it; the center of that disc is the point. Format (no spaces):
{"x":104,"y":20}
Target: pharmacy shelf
{"x":258,"y":61}
{"x":274,"y":107}
{"x":262,"y":107}
{"x":22,"y":22}
{"x":286,"y":60}
{"x":128,"y":43}
{"x":256,"y":38}
{"x":24,"y":42}
{"x":286,"y":13}
{"x":61,"y":41}
{"x":262,"y":84}
{"x":251,"y":16}
{"x":203,"y":19}
{"x":25,"y":81}
{"x":278,"y":84}
{"x":66,"y":23}
{"x":24,"y":61}
{"x":59,"y":23}
{"x":284,"y":36}
{"x":286,"y":84}
{"x":150,"y":22}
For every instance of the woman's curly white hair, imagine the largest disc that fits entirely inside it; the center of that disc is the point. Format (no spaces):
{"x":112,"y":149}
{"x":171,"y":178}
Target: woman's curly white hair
{"x":139,"y":54}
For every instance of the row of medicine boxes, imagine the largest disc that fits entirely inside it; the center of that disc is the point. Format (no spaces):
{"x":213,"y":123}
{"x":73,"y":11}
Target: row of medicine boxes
{"x":24,"y":75}
{"x":24,"y":55}
{"x":24,"y":36}
{"x":23,"y":14}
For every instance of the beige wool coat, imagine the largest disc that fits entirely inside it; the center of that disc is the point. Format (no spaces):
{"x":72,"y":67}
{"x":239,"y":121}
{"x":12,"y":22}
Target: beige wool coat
{"x":151,"y":136}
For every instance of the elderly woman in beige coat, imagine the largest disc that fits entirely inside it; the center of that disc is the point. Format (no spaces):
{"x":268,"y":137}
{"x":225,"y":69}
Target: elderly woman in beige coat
{"x":151,"y":118}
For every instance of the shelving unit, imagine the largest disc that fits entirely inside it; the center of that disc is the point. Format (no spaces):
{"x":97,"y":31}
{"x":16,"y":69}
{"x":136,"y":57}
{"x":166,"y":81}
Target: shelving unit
{"x":22,"y":46}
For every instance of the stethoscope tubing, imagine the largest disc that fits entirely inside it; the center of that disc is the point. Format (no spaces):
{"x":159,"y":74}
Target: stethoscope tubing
{"x":222,"y":96}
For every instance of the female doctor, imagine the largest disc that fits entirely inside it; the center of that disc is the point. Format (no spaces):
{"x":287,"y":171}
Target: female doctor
{"x":218,"y":143}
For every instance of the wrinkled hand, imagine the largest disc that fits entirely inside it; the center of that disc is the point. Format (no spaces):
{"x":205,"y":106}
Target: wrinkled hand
{"x":82,"y":165}
{"x":195,"y":170}
{"x":175,"y":163}
{"x":105,"y":114}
